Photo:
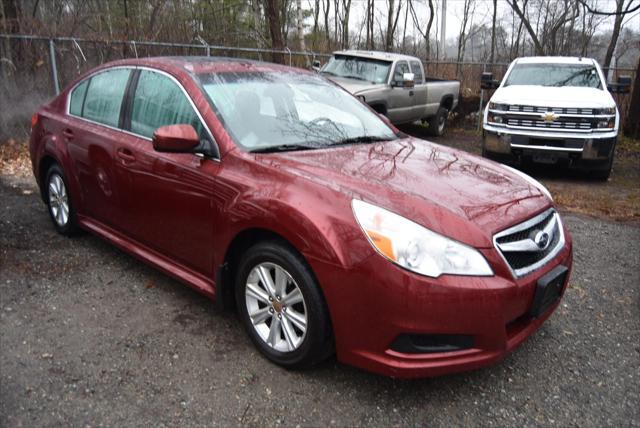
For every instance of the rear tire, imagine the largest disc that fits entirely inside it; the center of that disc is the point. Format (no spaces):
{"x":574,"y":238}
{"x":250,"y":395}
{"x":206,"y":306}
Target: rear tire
{"x":438,"y":123}
{"x":282,"y":307}
{"x":61,"y":207}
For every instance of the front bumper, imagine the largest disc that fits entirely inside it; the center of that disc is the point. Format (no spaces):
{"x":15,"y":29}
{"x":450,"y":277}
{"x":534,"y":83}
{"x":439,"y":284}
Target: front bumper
{"x":576,"y":148}
{"x":377,"y":302}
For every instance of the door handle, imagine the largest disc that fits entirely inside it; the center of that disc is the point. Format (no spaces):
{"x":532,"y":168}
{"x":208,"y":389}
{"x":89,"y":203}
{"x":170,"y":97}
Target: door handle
{"x":68,"y":134}
{"x":126,"y":155}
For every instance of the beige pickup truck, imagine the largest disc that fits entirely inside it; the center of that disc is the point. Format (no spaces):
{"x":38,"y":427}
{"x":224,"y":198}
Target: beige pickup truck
{"x":395,"y":85}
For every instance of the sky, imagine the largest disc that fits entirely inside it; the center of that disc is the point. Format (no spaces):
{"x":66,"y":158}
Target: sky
{"x":483,"y":13}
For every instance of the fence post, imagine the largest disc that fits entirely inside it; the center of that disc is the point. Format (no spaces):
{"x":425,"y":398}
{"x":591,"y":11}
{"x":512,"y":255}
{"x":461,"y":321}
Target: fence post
{"x":484,"y":68}
{"x":54,"y":66}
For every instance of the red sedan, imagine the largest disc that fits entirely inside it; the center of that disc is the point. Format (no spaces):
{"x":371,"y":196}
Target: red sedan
{"x":274,"y":191}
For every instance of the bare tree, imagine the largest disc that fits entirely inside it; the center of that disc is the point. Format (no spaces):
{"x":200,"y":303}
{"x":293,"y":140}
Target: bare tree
{"x":272,"y":13}
{"x":426,"y":33}
{"x":621,"y":11}
{"x":493,"y":31}
{"x":392,"y":23}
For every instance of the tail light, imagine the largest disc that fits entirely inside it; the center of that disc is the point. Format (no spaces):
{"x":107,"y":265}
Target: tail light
{"x":34,"y":120}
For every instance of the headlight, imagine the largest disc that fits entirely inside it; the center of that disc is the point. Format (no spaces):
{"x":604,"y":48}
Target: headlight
{"x":415,"y":247}
{"x":610,"y":110}
{"x":496,"y":106}
{"x":535,"y":183}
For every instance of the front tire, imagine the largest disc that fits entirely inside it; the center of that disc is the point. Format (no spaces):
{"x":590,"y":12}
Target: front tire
{"x":61,"y":208}
{"x":281,"y":306}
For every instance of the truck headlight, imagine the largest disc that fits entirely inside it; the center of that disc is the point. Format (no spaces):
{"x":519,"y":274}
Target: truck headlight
{"x":415,"y":247}
{"x":609,"y":110}
{"x":496,"y":106}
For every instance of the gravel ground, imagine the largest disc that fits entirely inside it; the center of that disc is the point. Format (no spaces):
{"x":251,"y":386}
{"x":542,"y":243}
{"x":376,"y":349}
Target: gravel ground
{"x":90,"y":336}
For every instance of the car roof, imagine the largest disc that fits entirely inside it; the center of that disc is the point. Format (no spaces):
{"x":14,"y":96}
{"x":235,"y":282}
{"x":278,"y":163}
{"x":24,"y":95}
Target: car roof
{"x":203,"y":64}
{"x":555,"y":60}
{"x":377,"y":55}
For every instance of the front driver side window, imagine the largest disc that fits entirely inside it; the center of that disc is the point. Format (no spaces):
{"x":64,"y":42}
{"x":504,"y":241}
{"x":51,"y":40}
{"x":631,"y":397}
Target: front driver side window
{"x":401,"y":68}
{"x":159,"y":101}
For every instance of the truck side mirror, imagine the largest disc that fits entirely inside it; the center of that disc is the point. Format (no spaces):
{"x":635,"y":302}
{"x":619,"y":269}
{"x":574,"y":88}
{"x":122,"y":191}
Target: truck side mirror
{"x":408,"y":80}
{"x":487,"y":81}
{"x":315,"y":65}
{"x":622,"y":86}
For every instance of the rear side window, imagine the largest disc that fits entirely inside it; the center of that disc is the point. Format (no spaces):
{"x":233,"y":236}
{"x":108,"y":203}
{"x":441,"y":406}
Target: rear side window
{"x":104,"y":96}
{"x":417,"y":72}
{"x":159,"y":101}
{"x":77,"y":98}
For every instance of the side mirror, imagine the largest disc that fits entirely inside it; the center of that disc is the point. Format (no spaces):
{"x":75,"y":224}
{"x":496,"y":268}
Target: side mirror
{"x":622,"y":86}
{"x":315,"y":65}
{"x":487,"y":81}
{"x":175,"y":139}
{"x":408,"y":79}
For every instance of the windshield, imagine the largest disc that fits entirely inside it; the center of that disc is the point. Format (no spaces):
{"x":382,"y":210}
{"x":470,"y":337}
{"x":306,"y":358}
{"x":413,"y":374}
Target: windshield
{"x":263,"y":110}
{"x":354,"y":67}
{"x":554,"y":75}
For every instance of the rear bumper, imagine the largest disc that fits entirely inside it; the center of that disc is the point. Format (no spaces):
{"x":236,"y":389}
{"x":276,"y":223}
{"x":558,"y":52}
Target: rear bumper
{"x":375,"y":304}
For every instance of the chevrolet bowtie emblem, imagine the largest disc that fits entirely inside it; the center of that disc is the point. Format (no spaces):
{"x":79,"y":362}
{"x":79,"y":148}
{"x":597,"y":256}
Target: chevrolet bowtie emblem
{"x":549,"y":116}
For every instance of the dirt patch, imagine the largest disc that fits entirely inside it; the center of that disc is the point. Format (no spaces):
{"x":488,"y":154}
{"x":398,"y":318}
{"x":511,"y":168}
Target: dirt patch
{"x":616,"y":199}
{"x":14,"y":159}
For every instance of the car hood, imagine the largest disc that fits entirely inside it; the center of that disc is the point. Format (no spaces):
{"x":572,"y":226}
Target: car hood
{"x":355,"y":86}
{"x":546,"y":96}
{"x":448,"y":191}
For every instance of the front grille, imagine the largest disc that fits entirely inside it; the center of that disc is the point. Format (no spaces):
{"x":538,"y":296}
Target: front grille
{"x":556,"y":124}
{"x":519,"y":247}
{"x":560,"y":119}
{"x":558,"y":110}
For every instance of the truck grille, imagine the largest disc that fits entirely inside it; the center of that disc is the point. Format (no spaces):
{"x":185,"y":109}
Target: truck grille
{"x":556,"y":124}
{"x":531,"y":244}
{"x":559,"y":119}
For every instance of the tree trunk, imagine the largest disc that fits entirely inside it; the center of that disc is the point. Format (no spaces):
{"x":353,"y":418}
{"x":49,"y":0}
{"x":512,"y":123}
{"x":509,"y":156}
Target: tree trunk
{"x":272,"y":13}
{"x":617,"y":25}
{"x":300,"y":31}
{"x":345,"y":23}
{"x":632,"y":124}
{"x":493,"y":32}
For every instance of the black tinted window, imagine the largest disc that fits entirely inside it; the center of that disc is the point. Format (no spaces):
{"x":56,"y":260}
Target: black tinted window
{"x":104,"y":96}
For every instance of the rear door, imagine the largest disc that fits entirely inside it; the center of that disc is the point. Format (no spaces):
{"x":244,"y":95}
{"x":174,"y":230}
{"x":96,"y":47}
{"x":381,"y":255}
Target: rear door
{"x":400,"y":104}
{"x":420,"y":91}
{"x":168,"y":196}
{"x":91,"y":133}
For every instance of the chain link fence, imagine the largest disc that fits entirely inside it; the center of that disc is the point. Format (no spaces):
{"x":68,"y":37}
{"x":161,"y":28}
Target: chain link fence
{"x":33,"y":69}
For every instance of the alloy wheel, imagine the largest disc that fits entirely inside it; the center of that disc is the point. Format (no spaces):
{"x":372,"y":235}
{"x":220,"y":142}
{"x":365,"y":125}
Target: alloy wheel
{"x":58,"y":200}
{"x":276,"y":307}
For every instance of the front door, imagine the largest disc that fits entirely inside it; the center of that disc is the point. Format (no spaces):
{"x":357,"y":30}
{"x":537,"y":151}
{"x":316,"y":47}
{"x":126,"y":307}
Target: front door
{"x":168,"y":197}
{"x":400,"y":104}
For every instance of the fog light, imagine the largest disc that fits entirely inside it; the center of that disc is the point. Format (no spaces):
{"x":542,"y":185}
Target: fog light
{"x":431,"y":343}
{"x":497,"y":143}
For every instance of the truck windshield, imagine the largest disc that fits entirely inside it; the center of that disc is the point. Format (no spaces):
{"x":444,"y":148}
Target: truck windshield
{"x":354,"y":67}
{"x":273,"y":111}
{"x":554,"y":75}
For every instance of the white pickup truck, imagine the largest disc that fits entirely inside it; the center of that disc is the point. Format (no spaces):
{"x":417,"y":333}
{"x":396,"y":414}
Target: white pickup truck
{"x":553,"y":110}
{"x":395,"y":85}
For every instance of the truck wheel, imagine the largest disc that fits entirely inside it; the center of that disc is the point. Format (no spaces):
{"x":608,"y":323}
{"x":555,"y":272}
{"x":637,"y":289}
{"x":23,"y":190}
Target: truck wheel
{"x":438,"y":123}
{"x":603,"y":173}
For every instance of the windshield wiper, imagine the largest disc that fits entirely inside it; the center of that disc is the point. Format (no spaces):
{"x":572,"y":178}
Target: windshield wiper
{"x":328,"y":72}
{"x":355,"y":77}
{"x":363,"y":139}
{"x":283,"y":148}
